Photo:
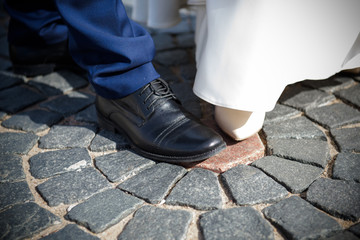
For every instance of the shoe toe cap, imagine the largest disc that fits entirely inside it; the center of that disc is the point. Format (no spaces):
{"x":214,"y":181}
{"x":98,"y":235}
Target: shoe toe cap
{"x":194,"y":139}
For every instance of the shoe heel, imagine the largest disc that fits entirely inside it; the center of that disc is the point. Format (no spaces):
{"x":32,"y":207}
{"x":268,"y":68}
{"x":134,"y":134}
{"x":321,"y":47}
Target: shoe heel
{"x":104,"y":123}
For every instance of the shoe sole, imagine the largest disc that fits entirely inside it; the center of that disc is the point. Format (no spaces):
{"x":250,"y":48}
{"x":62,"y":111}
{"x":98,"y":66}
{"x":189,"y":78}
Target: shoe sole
{"x":108,"y":125}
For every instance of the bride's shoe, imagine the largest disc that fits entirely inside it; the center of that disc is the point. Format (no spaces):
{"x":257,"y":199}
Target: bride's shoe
{"x":239,"y":124}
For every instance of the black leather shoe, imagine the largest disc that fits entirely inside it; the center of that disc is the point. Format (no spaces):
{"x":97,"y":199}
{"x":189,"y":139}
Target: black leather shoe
{"x":32,"y":61}
{"x":157,"y":126}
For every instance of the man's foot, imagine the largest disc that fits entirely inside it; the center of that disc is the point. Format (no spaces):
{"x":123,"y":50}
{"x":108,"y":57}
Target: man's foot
{"x":239,"y":124}
{"x":157,"y":125}
{"x":32,"y":61}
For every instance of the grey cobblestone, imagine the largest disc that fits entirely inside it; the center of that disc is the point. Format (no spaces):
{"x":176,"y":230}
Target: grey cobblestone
{"x":106,"y":140}
{"x":350,"y":94}
{"x":49,"y":164}
{"x":311,"y":151}
{"x":347,"y":167}
{"x":294,"y":175}
{"x":8,"y":79}
{"x":164,"y":224}
{"x":58,"y":82}
{"x":104,"y":209}
{"x":17,"y":98}
{"x":330,"y":85}
{"x":154,"y":183}
{"x":199,"y":189}
{"x":248,"y":185}
{"x":25,"y":220}
{"x":298,"y":219}
{"x":20,"y":143}
{"x":70,"y":232}
{"x":235,"y":223}
{"x":70,"y":187}
{"x":32,"y":121}
{"x":11,"y":168}
{"x":122,"y":165}
{"x":296,"y":128}
{"x":339,"y":198}
{"x":14,"y":193}
{"x":62,"y":136}
{"x":308,"y":98}
{"x":280,"y":113}
{"x":87,"y":115}
{"x":70,"y":103}
{"x":347,"y":139}
{"x":335,"y":115}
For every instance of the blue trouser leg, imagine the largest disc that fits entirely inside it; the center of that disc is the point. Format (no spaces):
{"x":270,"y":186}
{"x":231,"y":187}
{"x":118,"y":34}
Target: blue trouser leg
{"x":115,"y":51}
{"x":35,"y":23}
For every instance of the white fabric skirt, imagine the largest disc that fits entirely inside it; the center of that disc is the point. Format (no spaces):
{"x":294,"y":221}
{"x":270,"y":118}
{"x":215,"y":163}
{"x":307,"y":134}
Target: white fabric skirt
{"x":249,"y":50}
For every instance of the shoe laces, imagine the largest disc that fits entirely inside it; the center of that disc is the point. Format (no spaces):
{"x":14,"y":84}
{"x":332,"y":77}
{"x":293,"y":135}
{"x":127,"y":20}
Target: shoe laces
{"x":160,"y":88}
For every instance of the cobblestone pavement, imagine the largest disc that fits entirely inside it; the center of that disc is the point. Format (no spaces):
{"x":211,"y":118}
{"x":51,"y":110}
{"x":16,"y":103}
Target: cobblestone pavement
{"x":61,"y":177}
